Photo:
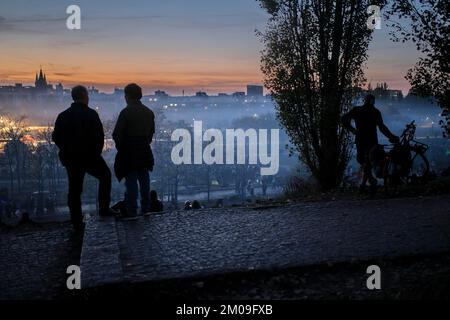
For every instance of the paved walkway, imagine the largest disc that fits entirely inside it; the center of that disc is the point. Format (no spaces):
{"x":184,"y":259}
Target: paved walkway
{"x":213,"y":241}
{"x":34,"y":260}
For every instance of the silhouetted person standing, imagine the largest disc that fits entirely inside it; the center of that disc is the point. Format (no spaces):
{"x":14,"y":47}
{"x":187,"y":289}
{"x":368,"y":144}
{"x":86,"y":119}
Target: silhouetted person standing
{"x":79,"y":136}
{"x":133,"y":135}
{"x":367,"y":118}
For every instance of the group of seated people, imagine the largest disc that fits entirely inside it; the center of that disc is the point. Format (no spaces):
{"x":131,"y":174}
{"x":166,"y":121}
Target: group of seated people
{"x":194,"y":205}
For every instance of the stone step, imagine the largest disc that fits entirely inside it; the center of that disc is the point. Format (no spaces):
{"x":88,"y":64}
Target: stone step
{"x":100,"y":255}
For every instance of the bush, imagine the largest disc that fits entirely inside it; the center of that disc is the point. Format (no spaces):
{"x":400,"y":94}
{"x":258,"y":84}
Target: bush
{"x":297,"y":187}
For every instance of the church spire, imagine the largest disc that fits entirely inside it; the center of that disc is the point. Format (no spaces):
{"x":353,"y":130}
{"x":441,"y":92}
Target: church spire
{"x":41,"y":80}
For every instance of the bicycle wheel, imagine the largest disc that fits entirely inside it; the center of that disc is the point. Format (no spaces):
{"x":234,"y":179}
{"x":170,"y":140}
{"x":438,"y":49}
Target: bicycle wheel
{"x":420,"y":167}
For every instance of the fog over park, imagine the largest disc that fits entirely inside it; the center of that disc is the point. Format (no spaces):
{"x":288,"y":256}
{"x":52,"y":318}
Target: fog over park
{"x":208,"y":183}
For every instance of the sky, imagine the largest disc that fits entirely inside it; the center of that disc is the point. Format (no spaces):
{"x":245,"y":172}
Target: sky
{"x":173,"y":45}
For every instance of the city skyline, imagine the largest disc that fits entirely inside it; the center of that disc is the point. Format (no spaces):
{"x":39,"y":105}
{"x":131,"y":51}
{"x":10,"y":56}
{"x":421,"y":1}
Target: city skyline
{"x":206,"y":46}
{"x":43,"y":85}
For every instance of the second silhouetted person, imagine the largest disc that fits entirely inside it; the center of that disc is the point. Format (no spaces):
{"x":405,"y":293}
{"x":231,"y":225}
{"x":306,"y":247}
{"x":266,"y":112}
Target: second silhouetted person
{"x":133,"y":135}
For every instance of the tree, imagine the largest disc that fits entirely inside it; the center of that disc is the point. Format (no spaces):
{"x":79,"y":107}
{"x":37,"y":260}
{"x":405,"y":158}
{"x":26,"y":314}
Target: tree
{"x":44,"y":166}
{"x":428,"y":26}
{"x":13,"y":131}
{"x":167,"y":174}
{"x":313,"y":62}
{"x":108,"y":127}
{"x":51,"y":158}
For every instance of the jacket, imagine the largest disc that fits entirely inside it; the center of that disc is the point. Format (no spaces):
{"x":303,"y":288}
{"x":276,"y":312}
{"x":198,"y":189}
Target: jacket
{"x":133,"y":135}
{"x":79,"y":135}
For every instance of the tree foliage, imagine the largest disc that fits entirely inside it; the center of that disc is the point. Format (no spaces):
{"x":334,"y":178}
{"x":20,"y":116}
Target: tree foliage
{"x":427,"y":24}
{"x":313,"y":60}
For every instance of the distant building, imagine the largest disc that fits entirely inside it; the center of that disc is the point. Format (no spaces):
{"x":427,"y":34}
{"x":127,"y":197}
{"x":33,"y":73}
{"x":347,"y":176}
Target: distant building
{"x":59,"y":88}
{"x":382,"y":91}
{"x":201,"y":94}
{"x":161,"y":94}
{"x":37,"y":99}
{"x":255,"y":90}
{"x":118,"y":91}
{"x":395,"y":94}
{"x":93,"y":90}
{"x":40,"y":82}
{"x":238,"y":94}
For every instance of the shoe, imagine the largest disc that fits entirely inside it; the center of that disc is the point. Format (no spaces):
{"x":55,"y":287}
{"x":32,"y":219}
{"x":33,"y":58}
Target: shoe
{"x":373,"y":189}
{"x":109,"y":213}
{"x":373,"y":186}
{"x":120,"y":207}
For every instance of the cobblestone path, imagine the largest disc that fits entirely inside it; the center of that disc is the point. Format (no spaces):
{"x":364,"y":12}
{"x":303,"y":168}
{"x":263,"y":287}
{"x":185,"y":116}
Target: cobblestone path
{"x":215,"y":241}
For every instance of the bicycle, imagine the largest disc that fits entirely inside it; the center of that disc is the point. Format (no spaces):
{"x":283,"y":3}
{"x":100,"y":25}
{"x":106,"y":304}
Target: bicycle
{"x":403,"y":162}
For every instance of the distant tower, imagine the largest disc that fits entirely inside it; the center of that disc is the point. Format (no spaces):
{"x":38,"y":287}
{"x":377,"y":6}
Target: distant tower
{"x":41,"y":81}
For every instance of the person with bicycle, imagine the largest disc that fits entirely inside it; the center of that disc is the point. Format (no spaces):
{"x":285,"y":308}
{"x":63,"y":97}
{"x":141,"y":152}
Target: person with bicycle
{"x":367,"y":118}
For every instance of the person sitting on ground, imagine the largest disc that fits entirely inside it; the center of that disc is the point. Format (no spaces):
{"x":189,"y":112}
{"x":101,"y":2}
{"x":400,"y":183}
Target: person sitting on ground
{"x":155,"y":204}
{"x":219,"y":203}
{"x":196,"y":205}
{"x":187,"y":205}
{"x":367,"y":118}
{"x":25,"y":219}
